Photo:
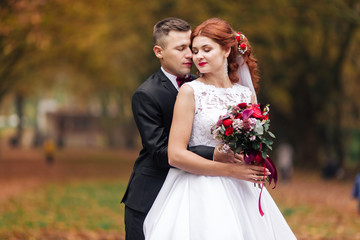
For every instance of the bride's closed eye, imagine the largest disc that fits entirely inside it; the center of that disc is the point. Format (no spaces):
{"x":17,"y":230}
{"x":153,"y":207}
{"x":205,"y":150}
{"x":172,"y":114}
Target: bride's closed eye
{"x":207,"y":49}
{"x":196,"y":51}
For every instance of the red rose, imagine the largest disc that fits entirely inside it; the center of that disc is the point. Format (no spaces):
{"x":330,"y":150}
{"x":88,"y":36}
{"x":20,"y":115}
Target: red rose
{"x":238,"y":116}
{"x":266,"y":117}
{"x":229,"y":131}
{"x":257,"y":112}
{"x":238,"y":37}
{"x":242,"y":105}
{"x":227,"y":122}
{"x":243,"y":46}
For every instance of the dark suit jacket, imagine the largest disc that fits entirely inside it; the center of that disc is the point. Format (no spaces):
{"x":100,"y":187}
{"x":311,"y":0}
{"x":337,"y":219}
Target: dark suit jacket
{"x":153,"y":105}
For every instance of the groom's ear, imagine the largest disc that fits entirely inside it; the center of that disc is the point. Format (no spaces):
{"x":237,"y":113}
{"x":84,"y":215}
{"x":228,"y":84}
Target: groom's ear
{"x":158,"y":51}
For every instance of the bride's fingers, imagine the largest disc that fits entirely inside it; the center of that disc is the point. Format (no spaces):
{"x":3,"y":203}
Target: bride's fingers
{"x":258,"y":177}
{"x":239,"y":157}
{"x":260,"y":170}
{"x":255,"y":180}
{"x":238,"y":161}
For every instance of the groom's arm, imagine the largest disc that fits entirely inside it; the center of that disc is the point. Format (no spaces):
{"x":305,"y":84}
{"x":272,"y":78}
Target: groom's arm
{"x":149,"y":120}
{"x":212,"y":154}
{"x":204,"y":151}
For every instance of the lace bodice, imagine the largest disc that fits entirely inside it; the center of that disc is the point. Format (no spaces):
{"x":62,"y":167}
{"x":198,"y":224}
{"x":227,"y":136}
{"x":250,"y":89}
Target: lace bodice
{"x":210,"y":103}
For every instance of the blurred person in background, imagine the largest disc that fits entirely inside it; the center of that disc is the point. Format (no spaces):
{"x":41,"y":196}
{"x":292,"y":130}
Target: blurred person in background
{"x":356,"y":190}
{"x":284,"y":155}
{"x":49,"y":150}
{"x":152,"y":105}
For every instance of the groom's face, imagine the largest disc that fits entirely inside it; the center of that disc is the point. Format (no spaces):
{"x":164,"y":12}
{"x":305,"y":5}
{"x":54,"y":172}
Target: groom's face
{"x":175,"y":54}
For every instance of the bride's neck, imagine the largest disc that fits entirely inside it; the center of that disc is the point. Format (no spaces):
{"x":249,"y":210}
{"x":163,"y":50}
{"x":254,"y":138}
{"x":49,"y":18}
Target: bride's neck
{"x":217,"y":80}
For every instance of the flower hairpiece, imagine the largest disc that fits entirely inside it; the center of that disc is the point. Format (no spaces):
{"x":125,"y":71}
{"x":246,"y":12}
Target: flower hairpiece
{"x":242,"y":47}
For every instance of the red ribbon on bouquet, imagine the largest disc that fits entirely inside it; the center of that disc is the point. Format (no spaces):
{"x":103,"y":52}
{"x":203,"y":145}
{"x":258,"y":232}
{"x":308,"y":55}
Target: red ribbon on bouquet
{"x":267,"y":163}
{"x":262,"y":186}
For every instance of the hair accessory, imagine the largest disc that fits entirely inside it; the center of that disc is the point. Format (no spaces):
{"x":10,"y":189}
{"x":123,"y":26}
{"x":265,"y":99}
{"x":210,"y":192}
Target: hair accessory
{"x":242,"y":47}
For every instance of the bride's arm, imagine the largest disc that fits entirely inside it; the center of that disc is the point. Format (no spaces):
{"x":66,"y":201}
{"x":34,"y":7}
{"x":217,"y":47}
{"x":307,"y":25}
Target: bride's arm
{"x":253,"y":98}
{"x":181,"y":157}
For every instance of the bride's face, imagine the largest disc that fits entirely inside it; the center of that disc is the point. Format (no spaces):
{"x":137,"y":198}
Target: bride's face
{"x":208,"y":56}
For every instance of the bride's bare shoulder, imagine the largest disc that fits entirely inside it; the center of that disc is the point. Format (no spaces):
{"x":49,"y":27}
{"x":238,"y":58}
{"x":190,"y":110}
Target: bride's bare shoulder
{"x":186,"y":89}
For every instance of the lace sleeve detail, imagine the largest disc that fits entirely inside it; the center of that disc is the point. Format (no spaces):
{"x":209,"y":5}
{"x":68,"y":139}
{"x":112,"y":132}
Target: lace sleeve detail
{"x":210,"y":103}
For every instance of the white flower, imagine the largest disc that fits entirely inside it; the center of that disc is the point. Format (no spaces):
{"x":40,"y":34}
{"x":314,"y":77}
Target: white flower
{"x":252,"y":138}
{"x":252,"y":123}
{"x":259,"y":129}
{"x":237,"y":124}
{"x":224,"y":148}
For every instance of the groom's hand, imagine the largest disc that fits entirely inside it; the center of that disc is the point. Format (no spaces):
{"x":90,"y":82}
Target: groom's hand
{"x":228,"y":157}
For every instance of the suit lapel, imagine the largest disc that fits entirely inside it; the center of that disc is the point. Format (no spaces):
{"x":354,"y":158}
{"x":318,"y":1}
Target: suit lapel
{"x":167,"y":83}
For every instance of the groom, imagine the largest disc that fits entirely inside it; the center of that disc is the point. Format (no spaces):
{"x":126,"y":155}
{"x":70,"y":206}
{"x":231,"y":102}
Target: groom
{"x":152,"y":106}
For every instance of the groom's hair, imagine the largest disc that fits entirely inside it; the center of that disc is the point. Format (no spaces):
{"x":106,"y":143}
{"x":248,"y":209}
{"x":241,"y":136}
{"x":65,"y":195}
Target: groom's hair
{"x":163,"y":27}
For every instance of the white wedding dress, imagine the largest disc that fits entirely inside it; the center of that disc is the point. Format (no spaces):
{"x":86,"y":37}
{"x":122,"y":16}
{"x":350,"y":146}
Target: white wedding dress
{"x":195,"y":207}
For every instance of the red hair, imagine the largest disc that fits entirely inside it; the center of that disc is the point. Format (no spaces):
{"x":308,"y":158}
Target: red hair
{"x":221,"y":32}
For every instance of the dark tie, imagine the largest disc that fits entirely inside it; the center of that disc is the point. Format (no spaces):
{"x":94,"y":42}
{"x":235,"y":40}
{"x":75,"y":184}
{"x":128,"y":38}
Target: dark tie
{"x":180,"y":81}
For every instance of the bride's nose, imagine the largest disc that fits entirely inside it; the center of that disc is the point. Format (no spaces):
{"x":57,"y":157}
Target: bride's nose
{"x":198,"y":56}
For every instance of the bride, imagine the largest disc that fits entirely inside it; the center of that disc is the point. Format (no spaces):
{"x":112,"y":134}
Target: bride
{"x":201,"y":199}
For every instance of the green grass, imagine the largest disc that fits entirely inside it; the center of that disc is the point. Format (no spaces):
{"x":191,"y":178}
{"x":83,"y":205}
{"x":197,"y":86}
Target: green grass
{"x":77,"y":206}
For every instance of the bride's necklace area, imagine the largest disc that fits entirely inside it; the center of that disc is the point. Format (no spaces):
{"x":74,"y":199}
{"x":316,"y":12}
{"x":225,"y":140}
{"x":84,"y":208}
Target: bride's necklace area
{"x":216,"y":83}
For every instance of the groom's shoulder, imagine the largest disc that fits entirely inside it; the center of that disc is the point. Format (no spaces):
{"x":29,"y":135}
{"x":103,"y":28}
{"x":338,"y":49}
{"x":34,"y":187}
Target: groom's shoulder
{"x":152,"y":84}
{"x":152,"y":81}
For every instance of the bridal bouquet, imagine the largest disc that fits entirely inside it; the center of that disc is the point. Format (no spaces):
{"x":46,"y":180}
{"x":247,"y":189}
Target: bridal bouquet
{"x":245,"y":129}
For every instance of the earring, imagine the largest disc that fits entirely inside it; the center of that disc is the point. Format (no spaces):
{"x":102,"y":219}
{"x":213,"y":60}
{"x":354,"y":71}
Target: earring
{"x":226,"y":68}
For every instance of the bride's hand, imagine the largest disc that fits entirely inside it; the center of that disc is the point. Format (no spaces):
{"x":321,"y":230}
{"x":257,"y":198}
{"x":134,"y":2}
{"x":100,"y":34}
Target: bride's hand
{"x":248,"y":172}
{"x":228,"y":157}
